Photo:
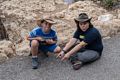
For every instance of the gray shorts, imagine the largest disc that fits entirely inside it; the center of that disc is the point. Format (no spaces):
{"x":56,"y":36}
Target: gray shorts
{"x":86,"y":56}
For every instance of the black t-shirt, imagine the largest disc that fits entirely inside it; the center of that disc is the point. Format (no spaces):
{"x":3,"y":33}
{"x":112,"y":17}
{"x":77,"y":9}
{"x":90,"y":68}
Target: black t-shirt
{"x":92,"y":37}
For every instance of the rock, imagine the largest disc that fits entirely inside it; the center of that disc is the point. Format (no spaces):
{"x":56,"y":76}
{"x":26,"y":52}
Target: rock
{"x":119,"y":16}
{"x":3,"y":57}
{"x":58,"y":15}
{"x":107,"y":37}
{"x":23,"y":49}
{"x":59,"y":1}
{"x":105,"y":17}
{"x":64,"y":32}
{"x":22,"y":46}
{"x":68,"y":1}
{"x":24,"y":33}
{"x":108,"y":28}
{"x":82,"y":6}
{"x":7,"y":50}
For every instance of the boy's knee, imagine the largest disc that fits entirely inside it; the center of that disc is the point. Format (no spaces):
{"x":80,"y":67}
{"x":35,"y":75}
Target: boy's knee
{"x":34,"y":43}
{"x":57,"y":49}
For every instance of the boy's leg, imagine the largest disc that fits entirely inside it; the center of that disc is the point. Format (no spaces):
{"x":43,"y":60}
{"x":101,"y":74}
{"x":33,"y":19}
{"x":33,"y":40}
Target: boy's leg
{"x":34,"y":51}
{"x":43,"y":49}
{"x":34,"y":47}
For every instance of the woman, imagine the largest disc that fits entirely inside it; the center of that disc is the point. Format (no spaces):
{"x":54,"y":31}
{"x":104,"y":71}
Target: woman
{"x":89,"y":48}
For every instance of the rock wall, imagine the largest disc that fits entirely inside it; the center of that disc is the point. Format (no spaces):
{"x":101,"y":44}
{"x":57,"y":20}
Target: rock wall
{"x":3,"y":33}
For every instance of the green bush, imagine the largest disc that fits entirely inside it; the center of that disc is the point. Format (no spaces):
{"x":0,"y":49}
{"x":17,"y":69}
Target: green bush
{"x":108,"y":3}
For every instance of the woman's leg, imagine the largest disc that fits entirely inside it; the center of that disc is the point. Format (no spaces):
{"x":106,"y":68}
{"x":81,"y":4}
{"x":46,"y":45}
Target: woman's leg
{"x":88,"y":56}
{"x":80,"y":58}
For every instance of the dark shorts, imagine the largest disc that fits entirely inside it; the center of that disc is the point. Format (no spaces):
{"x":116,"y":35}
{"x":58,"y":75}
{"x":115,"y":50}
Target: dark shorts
{"x":46,"y":48}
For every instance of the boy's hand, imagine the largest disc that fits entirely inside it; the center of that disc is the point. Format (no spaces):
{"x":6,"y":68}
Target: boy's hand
{"x":38,"y":38}
{"x":50,"y":41}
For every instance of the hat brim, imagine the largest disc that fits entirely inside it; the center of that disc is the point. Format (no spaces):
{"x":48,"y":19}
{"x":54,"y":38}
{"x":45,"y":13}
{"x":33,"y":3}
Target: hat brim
{"x":82,"y":20}
{"x":50,"y":21}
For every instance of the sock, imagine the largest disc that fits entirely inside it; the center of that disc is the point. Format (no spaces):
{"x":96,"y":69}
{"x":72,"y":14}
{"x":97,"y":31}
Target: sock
{"x":34,"y":56}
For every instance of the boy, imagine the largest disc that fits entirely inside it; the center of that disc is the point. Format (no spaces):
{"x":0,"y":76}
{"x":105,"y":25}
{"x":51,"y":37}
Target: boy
{"x":43,"y":38}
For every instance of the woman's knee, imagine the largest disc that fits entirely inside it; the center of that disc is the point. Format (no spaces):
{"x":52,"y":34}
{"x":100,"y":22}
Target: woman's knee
{"x":34,"y":43}
{"x":88,"y":56}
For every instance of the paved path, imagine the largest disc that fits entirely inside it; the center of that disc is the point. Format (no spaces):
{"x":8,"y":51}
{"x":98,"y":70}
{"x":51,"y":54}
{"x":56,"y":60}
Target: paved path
{"x":107,"y":68}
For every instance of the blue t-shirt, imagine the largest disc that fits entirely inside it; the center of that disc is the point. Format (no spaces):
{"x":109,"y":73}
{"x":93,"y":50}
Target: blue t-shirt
{"x":37,"y":32}
{"x":92,"y":37}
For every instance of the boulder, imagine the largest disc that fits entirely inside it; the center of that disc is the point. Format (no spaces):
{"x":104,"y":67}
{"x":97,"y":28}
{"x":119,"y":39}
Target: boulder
{"x":108,"y":28}
{"x":3,"y":57}
{"x":106,"y":17}
{"x":7,"y":50}
{"x":88,"y":7}
{"x":23,"y":49}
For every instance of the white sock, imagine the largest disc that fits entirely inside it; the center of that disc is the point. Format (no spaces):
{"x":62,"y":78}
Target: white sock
{"x":34,"y":56}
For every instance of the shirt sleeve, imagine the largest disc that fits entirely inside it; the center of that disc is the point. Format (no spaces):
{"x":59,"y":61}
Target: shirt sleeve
{"x":55,"y":36}
{"x":90,"y":37}
{"x":32,"y":34}
{"x":76,"y":34}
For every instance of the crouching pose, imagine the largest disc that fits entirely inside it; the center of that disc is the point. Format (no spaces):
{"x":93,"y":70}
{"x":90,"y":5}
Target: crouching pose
{"x":43,"y":38}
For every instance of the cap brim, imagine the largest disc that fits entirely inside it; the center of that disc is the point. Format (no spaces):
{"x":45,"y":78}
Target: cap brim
{"x":82,"y":20}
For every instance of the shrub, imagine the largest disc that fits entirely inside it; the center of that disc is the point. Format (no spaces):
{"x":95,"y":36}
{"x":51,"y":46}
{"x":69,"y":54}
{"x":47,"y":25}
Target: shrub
{"x":108,"y":3}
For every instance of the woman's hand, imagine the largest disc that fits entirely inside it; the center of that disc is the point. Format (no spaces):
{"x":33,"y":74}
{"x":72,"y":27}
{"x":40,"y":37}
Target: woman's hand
{"x":61,"y":54}
{"x":66,"y":56}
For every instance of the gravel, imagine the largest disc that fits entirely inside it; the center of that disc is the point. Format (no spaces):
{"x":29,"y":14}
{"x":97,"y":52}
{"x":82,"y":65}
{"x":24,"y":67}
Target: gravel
{"x":107,"y":68}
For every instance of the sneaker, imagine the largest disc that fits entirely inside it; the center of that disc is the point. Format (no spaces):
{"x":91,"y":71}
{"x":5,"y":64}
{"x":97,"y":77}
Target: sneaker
{"x":77,"y":65}
{"x":35,"y":63}
{"x":73,"y":59}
